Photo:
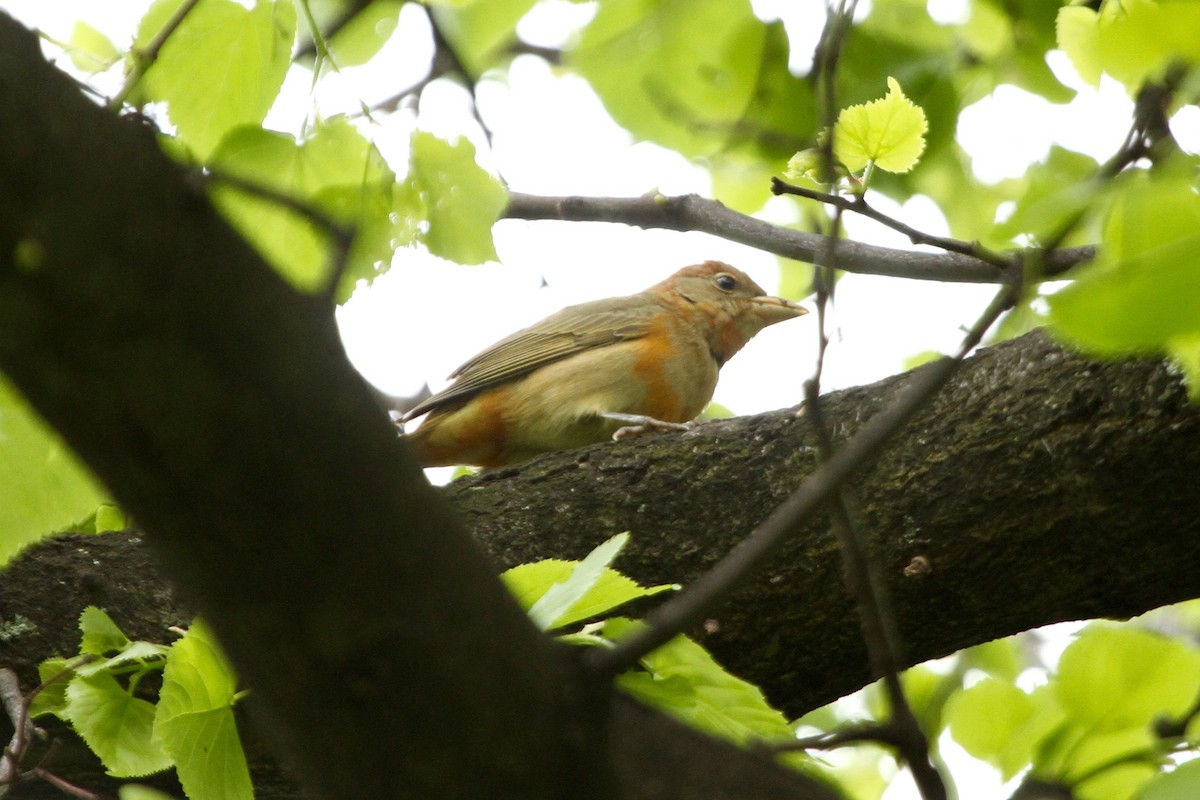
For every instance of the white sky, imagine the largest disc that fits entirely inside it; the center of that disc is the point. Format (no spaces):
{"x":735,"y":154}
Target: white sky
{"x":425,"y":317}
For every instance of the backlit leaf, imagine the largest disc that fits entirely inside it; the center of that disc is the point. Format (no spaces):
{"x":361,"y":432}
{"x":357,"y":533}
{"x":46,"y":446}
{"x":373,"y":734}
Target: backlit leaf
{"x":889,"y":133}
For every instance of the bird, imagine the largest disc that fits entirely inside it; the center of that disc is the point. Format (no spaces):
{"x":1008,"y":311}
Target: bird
{"x":597,"y":370}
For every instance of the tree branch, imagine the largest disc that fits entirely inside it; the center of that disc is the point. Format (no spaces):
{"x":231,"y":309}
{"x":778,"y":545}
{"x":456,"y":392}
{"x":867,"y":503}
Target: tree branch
{"x":1038,"y":487}
{"x":859,"y":205}
{"x":704,"y":595}
{"x":694,"y":213}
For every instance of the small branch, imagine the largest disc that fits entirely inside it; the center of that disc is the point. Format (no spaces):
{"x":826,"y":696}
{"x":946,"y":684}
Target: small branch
{"x":694,"y":213}
{"x":701,"y":597}
{"x":66,"y":787}
{"x":885,"y":733}
{"x":23,"y":731}
{"x":145,"y":59}
{"x":860,"y":571}
{"x":319,"y":43}
{"x":878,"y":623}
{"x":859,"y":205}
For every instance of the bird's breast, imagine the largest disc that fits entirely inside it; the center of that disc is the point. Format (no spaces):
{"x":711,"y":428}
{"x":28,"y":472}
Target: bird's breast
{"x":676,"y":368}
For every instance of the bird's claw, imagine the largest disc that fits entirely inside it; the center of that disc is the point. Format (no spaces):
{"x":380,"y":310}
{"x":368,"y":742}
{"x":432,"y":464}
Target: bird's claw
{"x":637,"y":424}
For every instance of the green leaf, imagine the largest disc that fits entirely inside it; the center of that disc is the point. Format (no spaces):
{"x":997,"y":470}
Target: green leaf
{"x":481,"y":30}
{"x":221,"y":68}
{"x":1181,"y":783}
{"x":461,"y":200}
{"x":362,"y":37}
{"x":101,"y":635}
{"x":54,"y":673}
{"x":927,"y":692}
{"x":1123,"y":677}
{"x":681,"y":74}
{"x":91,"y":51}
{"x":140,"y":652}
{"x":1009,"y":41}
{"x":682,"y":679}
{"x":532,"y":584}
{"x":984,"y":719}
{"x":43,"y":486}
{"x":116,"y":726}
{"x":1117,"y":782}
{"x":991,"y":721}
{"x":999,"y":658}
{"x":560,"y":597}
{"x":1132,"y":299}
{"x":1098,"y":761}
{"x":1134,"y":41}
{"x":107,"y":517}
{"x":1079,"y":37}
{"x":889,"y":133}
{"x":1053,"y":193}
{"x":135,"y":791}
{"x":195,"y":723}
{"x":334,"y":171}
{"x":716,"y":411}
{"x":805,"y":167}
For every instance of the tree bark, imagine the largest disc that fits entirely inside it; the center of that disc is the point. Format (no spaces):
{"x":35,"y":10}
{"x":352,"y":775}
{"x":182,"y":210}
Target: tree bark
{"x":1041,"y":486}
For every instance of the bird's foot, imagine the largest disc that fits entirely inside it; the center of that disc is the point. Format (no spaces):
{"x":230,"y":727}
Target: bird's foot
{"x":637,"y":424}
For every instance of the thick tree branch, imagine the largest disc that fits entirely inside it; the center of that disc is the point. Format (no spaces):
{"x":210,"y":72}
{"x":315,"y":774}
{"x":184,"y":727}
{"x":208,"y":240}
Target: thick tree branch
{"x":1040,"y":486}
{"x":710,"y":589}
{"x":695,"y":213}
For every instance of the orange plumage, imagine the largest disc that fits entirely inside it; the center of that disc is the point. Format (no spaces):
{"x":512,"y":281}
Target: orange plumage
{"x":578,"y":375}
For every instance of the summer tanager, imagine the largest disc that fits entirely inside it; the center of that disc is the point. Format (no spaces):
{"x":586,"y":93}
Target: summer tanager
{"x":579,"y":375}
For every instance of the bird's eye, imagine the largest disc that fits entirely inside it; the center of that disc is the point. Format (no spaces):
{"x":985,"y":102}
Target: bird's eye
{"x":725,"y":282}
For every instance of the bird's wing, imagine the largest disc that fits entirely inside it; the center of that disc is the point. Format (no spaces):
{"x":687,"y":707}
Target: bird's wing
{"x":558,"y":336}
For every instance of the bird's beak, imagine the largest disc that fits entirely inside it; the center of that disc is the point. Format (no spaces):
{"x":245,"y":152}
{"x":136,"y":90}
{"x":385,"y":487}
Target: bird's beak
{"x":775,"y":309}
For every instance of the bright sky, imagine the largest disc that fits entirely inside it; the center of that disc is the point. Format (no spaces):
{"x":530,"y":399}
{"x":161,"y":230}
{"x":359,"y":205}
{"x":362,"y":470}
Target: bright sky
{"x":425,"y":317}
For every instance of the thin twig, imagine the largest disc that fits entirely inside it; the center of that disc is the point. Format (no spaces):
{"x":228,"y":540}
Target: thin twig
{"x":689,"y":213}
{"x":884,"y":733}
{"x":67,"y":787}
{"x":859,"y":205}
{"x":319,"y":43}
{"x":15,"y":709}
{"x":828,"y":52}
{"x":145,"y":59}
{"x":861,"y":572}
{"x":698,"y":599}
{"x":880,"y":634}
